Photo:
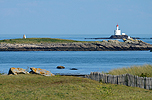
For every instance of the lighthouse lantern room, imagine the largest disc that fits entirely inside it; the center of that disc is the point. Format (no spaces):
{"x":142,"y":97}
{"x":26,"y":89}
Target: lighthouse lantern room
{"x":117,"y":31}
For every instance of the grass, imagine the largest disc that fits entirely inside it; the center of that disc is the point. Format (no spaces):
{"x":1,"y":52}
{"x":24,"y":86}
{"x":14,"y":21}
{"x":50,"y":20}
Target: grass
{"x":1,"y":73}
{"x":142,"y":71}
{"x":38,"y":41}
{"x":36,"y":87}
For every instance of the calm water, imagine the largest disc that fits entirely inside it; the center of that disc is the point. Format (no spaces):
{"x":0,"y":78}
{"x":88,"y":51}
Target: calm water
{"x":84,"y":61}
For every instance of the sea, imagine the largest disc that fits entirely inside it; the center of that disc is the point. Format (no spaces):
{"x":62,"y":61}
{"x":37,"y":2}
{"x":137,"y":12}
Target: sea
{"x":84,"y":61}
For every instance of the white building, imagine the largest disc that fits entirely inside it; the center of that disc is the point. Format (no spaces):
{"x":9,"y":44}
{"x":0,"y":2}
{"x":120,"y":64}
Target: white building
{"x":123,"y":34}
{"x":118,"y":31}
{"x":24,"y":36}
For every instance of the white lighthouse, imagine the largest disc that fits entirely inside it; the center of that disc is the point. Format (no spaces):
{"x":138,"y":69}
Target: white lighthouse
{"x":118,"y":31}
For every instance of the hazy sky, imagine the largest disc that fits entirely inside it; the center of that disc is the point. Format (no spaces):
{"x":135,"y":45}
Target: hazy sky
{"x":75,"y":16}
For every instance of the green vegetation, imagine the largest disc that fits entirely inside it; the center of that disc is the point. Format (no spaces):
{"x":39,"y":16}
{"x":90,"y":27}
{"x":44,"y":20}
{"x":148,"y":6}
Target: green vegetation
{"x":2,"y":73}
{"x":36,"y":87}
{"x":38,"y":41}
{"x":142,"y":71}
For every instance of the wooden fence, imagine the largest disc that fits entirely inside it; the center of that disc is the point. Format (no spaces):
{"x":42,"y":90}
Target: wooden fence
{"x":125,"y":79}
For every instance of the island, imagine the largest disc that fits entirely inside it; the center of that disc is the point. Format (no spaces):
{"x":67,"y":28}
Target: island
{"x":51,"y":44}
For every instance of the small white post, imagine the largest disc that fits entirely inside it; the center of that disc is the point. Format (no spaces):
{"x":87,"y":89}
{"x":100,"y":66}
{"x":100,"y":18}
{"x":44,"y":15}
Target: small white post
{"x":24,"y":37}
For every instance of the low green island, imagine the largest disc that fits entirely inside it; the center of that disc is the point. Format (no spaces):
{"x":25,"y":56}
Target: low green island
{"x":53,"y":44}
{"x":37,"y":41}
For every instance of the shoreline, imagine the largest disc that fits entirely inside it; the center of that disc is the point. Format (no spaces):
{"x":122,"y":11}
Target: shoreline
{"x":103,"y":46}
{"x":50,"y":44}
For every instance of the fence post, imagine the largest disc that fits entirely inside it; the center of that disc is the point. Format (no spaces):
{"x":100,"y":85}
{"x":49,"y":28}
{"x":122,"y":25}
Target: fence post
{"x":92,"y":76}
{"x":125,"y":78}
{"x":112,"y":79}
{"x":100,"y":74}
{"x":138,"y":81}
{"x":131,"y":80}
{"x":104,"y":78}
{"x":101,"y":77}
{"x":128,"y":80}
{"x":120,"y":79}
{"x":109,"y":78}
{"x":142,"y":82}
{"x":135,"y":81}
{"x":147,"y":85}
{"x":96,"y":74}
{"x":115,"y":79}
{"x":150,"y":83}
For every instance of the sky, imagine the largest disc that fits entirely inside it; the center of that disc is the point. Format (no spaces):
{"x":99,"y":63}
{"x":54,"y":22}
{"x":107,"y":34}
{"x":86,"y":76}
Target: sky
{"x":80,"y":17}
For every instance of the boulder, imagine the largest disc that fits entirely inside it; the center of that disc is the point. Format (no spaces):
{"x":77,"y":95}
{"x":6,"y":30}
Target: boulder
{"x":41,"y":71}
{"x":104,"y":41}
{"x":114,"y":41}
{"x":132,"y":41}
{"x":16,"y":71}
{"x":124,"y":39}
{"x":60,"y":67}
{"x":73,"y":69}
{"x":129,"y":41}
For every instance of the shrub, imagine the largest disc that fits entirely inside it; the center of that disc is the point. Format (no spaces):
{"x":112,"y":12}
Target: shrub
{"x":142,"y":71}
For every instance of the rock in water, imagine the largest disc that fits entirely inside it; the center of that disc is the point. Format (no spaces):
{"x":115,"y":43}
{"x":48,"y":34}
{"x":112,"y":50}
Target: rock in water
{"x":118,"y":36}
{"x":73,"y":69}
{"x":41,"y":71}
{"x":16,"y":71}
{"x":60,"y":67}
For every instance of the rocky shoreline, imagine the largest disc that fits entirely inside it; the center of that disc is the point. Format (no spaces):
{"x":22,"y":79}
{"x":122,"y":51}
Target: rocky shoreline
{"x":110,"y":45}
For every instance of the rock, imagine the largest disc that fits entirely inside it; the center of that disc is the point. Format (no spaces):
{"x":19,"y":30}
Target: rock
{"x":118,"y":36}
{"x":129,"y":41}
{"x":124,"y":39}
{"x":90,"y":46}
{"x":41,"y":72}
{"x":133,"y":41}
{"x":16,"y":71}
{"x":60,"y":67}
{"x":73,"y":69}
{"x":113,"y":41}
{"x":104,"y":41}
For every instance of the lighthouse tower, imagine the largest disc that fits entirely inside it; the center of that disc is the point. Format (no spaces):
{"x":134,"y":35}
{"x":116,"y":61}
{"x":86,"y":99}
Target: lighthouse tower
{"x":117,"y":31}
